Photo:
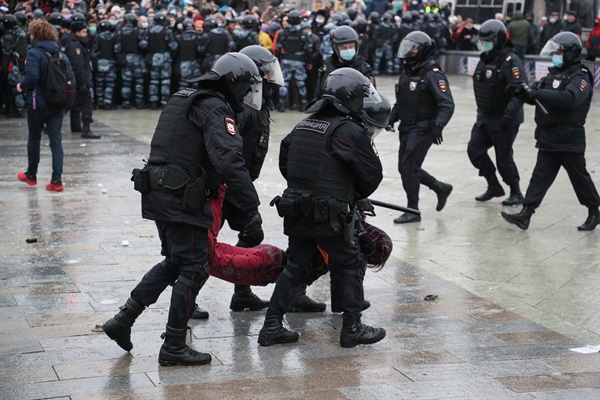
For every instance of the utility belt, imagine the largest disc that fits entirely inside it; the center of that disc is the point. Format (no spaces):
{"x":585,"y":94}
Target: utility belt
{"x":172,"y":179}
{"x":314,"y":209}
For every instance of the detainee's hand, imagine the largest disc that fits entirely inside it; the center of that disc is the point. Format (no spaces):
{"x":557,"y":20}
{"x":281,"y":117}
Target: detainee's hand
{"x":19,"y":88}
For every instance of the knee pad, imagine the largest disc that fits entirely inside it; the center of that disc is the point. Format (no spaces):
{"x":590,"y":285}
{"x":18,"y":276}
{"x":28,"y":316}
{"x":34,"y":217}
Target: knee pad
{"x":296,"y":272}
{"x":195,"y":276}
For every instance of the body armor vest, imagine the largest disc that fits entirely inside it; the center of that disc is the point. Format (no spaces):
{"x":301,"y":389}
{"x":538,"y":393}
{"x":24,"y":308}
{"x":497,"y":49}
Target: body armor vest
{"x":489,"y":84}
{"x":176,"y":140}
{"x":157,"y":41}
{"x":292,"y":45}
{"x":129,"y":40}
{"x":415,"y":102}
{"x":188,"y":42}
{"x":559,"y":81}
{"x":106,"y":43}
{"x":217,"y":44}
{"x":241,"y":42}
{"x":311,"y":169}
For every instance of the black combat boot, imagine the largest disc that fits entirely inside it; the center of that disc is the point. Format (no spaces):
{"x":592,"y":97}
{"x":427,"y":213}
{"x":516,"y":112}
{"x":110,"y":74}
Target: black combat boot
{"x":407,"y":218}
{"x":118,"y":328}
{"x":175,"y":351}
{"x":243,"y":299}
{"x":494,"y":189}
{"x":354,"y":332}
{"x":521,"y":219}
{"x":273,"y":331}
{"x":199,"y":313}
{"x":87,"y":133}
{"x":302,"y":303}
{"x":515,"y":198}
{"x":442,"y":190}
{"x":591,"y":221}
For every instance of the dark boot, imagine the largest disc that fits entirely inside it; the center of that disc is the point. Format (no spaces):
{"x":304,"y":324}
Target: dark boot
{"x":87,"y":133}
{"x":303,"y":303}
{"x":118,"y":328}
{"x":591,"y":221}
{"x":494,"y":189}
{"x":407,"y":218}
{"x":442,"y":190}
{"x":199,"y":313}
{"x":175,"y":351}
{"x":354,"y":332}
{"x":273,"y":331}
{"x":521,"y":219}
{"x":243,"y":299}
{"x":515,"y":198}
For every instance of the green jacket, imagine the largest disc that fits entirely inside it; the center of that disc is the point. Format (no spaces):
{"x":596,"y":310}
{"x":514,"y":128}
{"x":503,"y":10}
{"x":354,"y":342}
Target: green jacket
{"x":519,"y":30}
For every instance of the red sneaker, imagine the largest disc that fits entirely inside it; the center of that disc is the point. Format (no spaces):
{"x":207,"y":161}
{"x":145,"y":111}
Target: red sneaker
{"x":55,"y":186}
{"x":23,"y":177}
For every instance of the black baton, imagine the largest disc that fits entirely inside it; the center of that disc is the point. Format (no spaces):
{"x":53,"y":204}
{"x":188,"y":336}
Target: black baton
{"x":395,"y":207}
{"x":541,"y":106}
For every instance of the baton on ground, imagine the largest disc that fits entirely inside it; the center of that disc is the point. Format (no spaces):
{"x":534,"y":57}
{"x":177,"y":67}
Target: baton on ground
{"x":395,"y":207}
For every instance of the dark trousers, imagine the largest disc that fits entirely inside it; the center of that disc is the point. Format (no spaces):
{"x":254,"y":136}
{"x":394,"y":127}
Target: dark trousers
{"x":81,"y":110}
{"x":184,"y":247}
{"x":482,"y":139}
{"x":413,"y":149}
{"x":53,"y":119}
{"x":348,"y":266}
{"x":546,"y":168}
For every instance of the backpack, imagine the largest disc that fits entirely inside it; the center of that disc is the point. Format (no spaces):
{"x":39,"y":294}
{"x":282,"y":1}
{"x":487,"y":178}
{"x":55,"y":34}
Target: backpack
{"x":59,"y":87}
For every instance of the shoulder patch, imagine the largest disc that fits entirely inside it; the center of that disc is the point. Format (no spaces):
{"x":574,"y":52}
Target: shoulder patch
{"x":314,"y":125}
{"x":230,"y":126}
{"x":443,"y":85}
{"x":508,"y":58}
{"x":435,"y":69}
{"x":78,"y":51}
{"x":582,"y":85}
{"x":516,"y":73}
{"x":185,"y":92}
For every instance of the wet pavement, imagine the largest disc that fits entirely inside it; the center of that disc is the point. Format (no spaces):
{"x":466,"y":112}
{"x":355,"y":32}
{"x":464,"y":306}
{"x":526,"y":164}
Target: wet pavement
{"x":510,"y":303}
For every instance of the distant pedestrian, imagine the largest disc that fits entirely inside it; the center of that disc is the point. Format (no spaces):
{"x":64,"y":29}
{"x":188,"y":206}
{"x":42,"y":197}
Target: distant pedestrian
{"x":44,"y":38}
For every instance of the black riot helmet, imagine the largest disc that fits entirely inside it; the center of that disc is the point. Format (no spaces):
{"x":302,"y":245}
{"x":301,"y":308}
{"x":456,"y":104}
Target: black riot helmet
{"x":374,"y":17}
{"x":388,"y":17}
{"x":37,"y":13}
{"x":10,"y":21}
{"x":188,"y":24}
{"x":250,"y":22}
{"x":567,"y":43}
{"x":346,"y":89}
{"x":210,"y":23}
{"x":266,"y":62}
{"x":376,"y":113}
{"x":352,"y":13}
{"x":55,"y":18}
{"x":493,"y":32}
{"x":360,"y":25}
{"x":22,"y":18}
{"x":240,"y":75}
{"x":78,"y":17}
{"x":416,"y":47}
{"x":341,"y":35}
{"x":407,"y":17}
{"x":131,"y":19}
{"x":160,"y":19}
{"x":294,"y":17}
{"x":105,"y":26}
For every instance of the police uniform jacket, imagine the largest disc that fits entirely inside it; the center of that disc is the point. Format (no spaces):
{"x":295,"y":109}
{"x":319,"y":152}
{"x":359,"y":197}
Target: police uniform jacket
{"x":567,"y":95}
{"x":423,"y":99}
{"x":332,"y":63}
{"x":196,"y":135}
{"x":79,"y":58}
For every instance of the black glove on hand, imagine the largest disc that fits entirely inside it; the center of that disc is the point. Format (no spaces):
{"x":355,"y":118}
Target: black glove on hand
{"x":506,"y":121}
{"x":254,"y":225}
{"x":436,"y":132}
{"x":514,"y":89}
{"x":367,"y":244}
{"x":390,"y":128}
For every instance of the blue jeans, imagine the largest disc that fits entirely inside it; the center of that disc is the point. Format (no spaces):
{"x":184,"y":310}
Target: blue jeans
{"x":35,"y":121}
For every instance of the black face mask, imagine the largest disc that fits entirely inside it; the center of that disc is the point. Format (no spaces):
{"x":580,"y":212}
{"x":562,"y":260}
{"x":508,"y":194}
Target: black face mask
{"x":411,"y":61}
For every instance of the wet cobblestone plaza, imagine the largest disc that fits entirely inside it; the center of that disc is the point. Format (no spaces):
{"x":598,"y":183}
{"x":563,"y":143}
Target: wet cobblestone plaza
{"x":511,"y":304}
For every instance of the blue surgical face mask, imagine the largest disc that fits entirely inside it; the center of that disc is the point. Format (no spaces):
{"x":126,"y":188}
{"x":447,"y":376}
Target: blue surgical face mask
{"x":348,"y":54}
{"x":92,"y":29}
{"x":557,"y":60}
{"x":552,"y":20}
{"x":487,"y":46}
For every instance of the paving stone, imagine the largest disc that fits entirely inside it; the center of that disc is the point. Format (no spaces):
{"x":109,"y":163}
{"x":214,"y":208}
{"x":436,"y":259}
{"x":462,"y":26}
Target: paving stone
{"x":531,"y":337}
{"x":575,"y":363}
{"x":552,"y":382}
{"x":575,"y":394}
{"x":27,"y":375}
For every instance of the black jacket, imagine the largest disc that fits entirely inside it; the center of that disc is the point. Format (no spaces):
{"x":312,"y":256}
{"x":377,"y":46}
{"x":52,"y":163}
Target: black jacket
{"x":79,"y":58}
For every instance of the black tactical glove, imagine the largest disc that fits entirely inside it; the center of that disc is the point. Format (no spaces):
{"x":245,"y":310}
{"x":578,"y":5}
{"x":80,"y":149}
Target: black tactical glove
{"x":390,"y":128}
{"x":506,"y":121}
{"x":514,"y":89}
{"x":436,"y":132}
{"x":254,"y":225}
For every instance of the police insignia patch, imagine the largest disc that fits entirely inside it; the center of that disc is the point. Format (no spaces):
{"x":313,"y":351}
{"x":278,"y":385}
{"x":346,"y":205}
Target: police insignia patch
{"x":230,"y":126}
{"x":77,"y":50}
{"x":516,"y":73}
{"x":412,"y":86}
{"x":555,"y":83}
{"x":374,"y":148}
{"x":582,"y":85}
{"x":443,"y":85}
{"x":488,"y":73}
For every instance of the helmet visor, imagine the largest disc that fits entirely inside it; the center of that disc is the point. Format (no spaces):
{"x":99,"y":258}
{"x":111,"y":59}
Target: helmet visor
{"x":408,"y":48}
{"x":272,"y":72}
{"x":550,"y":48}
{"x":373,"y":96}
{"x":254,"y":96}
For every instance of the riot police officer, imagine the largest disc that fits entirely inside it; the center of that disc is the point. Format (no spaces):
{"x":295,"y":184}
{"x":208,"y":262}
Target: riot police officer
{"x":188,"y":53}
{"x":566,"y":94}
{"x":345,"y":45}
{"x":318,"y":205}
{"x":385,"y":37}
{"x":161,"y":45}
{"x":248,"y":35}
{"x":182,"y":172}
{"x":13,"y":44}
{"x":106,"y":72}
{"x":134,"y":67}
{"x":292,"y":47}
{"x":498,"y":113}
{"x":215,"y":42}
{"x":424,"y":105}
